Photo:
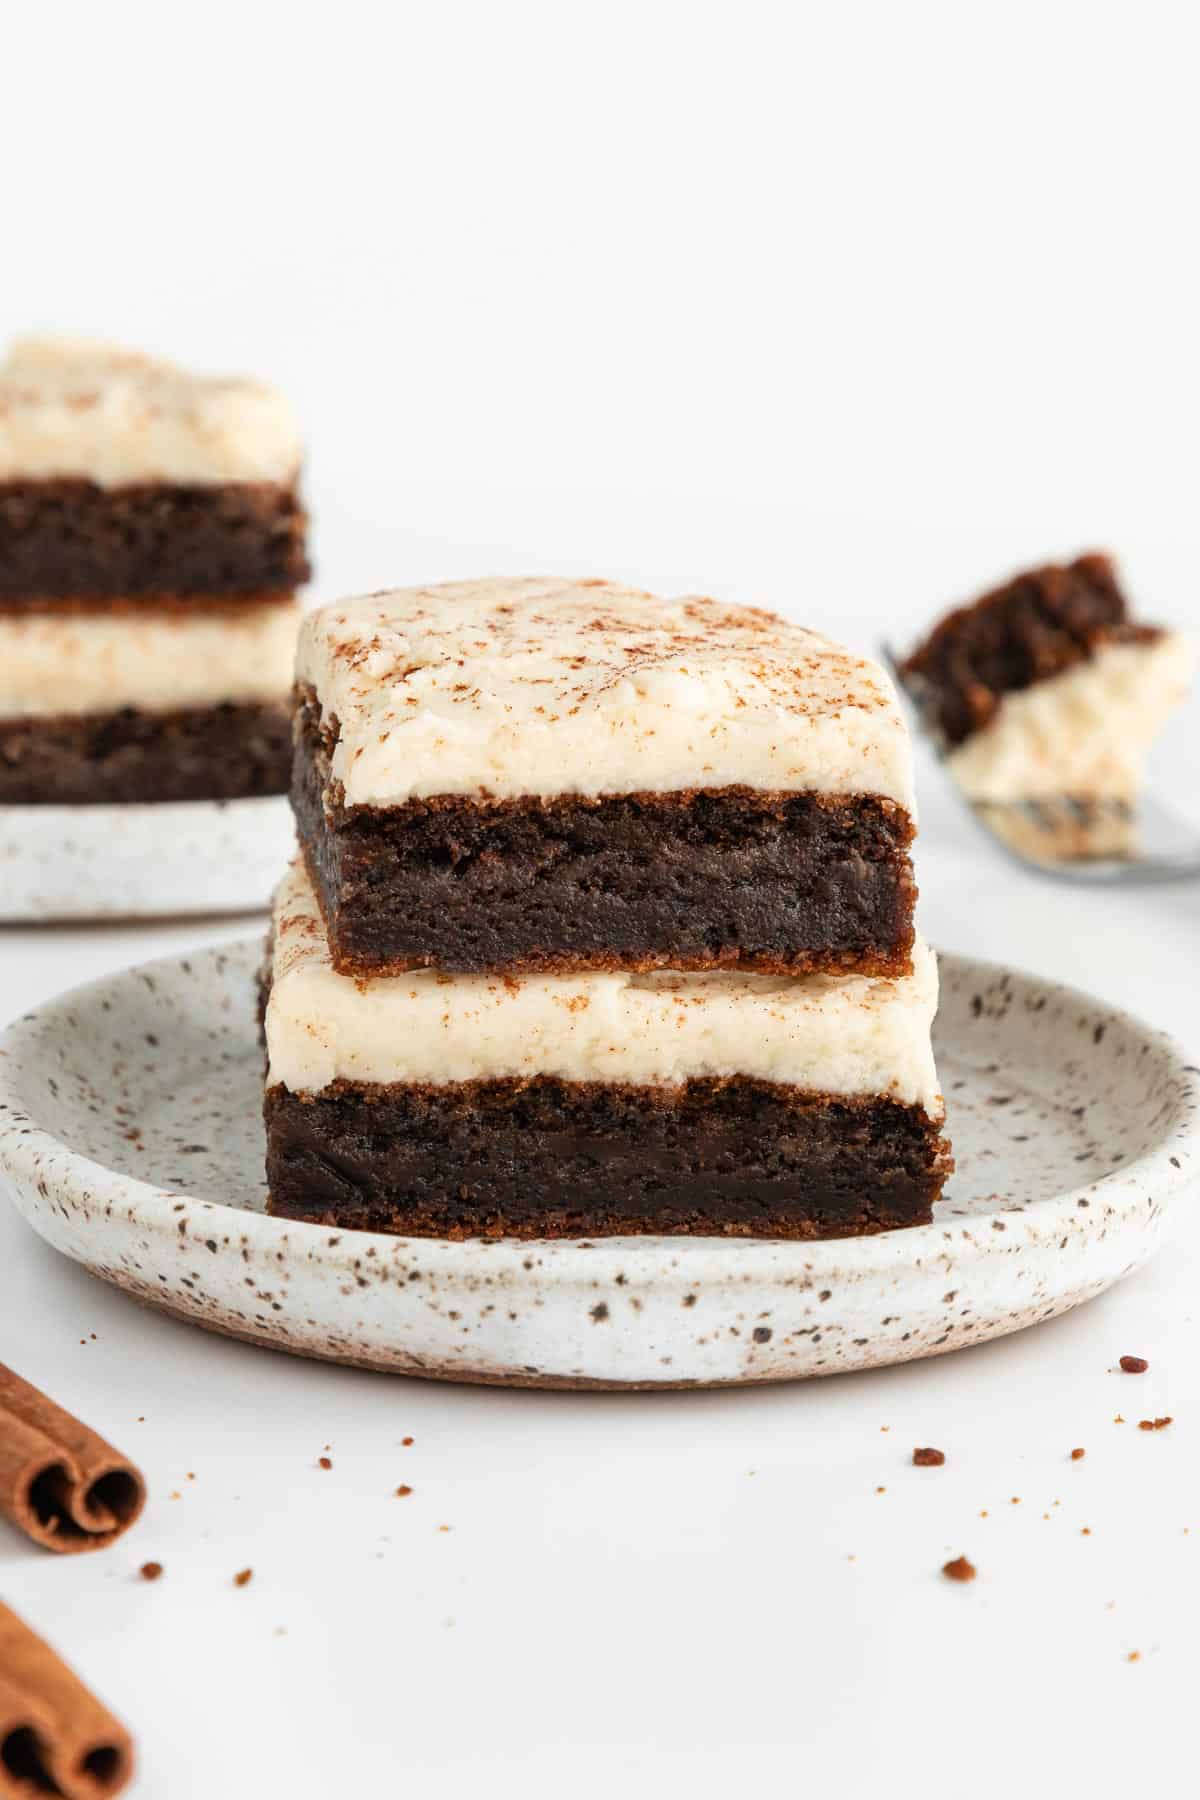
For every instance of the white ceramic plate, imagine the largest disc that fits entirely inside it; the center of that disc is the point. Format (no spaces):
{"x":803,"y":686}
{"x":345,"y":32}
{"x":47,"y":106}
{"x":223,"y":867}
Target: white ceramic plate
{"x":141,"y":862}
{"x":130,"y":1138}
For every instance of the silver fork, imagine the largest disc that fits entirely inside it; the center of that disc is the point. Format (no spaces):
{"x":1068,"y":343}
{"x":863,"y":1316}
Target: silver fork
{"x":1097,"y":843}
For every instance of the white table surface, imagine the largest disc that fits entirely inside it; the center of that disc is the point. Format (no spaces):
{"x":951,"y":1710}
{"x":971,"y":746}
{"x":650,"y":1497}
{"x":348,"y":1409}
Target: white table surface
{"x":710,"y":1593}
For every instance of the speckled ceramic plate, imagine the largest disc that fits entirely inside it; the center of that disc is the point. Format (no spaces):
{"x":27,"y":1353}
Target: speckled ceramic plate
{"x":141,"y":862}
{"x":130,"y":1138}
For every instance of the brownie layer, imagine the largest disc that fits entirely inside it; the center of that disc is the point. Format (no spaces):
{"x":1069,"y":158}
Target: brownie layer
{"x":63,"y":539}
{"x":1038,"y":625}
{"x":777,"y":883}
{"x":228,"y":752}
{"x":549,"y":1158}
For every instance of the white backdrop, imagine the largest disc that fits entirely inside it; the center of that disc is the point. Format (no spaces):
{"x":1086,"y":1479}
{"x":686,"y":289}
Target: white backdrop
{"x":841,"y":307}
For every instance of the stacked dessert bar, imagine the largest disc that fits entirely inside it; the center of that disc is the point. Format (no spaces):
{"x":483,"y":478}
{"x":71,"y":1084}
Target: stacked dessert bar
{"x":603,"y":923}
{"x":151,"y":541}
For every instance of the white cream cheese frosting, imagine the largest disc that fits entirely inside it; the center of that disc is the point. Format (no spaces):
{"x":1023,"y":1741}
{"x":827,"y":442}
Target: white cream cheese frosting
{"x":1085,"y":732}
{"x":157,"y":660}
{"x":850,"y":1035}
{"x":73,"y":408}
{"x":546,"y":686}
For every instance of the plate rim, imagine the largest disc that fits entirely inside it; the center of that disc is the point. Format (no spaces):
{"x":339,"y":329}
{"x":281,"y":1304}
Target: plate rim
{"x":56,"y":861}
{"x":1166,"y":1167}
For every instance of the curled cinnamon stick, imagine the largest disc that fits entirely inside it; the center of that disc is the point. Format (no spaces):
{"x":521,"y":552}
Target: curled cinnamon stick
{"x":55,"y":1736}
{"x":61,"y":1483}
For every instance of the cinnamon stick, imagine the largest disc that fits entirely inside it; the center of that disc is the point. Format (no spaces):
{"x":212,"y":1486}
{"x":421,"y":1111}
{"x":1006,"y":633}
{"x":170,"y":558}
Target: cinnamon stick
{"x":59,"y":1482}
{"x":55,"y":1736}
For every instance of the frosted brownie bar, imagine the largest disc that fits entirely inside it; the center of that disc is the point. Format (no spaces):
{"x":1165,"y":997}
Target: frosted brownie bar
{"x":151,"y":539}
{"x":593,"y":1104}
{"x":540,"y":775}
{"x":1045,"y":687}
{"x":124,"y":476}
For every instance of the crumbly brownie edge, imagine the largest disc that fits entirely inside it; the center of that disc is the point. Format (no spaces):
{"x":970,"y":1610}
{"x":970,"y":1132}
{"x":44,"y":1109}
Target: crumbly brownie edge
{"x":138,"y":607}
{"x":468,"y":884}
{"x":1034,"y":627}
{"x":70,"y":538}
{"x":545,"y":1158}
{"x":235,"y":751}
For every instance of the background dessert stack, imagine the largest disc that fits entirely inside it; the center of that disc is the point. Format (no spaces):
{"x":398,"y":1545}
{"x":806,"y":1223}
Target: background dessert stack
{"x":602,"y":923}
{"x":152,"y":539}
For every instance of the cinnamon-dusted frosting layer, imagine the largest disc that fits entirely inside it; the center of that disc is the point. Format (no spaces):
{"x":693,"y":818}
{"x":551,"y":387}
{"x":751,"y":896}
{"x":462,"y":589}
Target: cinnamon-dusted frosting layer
{"x":71,"y":407}
{"x":545,"y":686}
{"x":850,"y":1035}
{"x":1085,"y":732}
{"x":52,"y":664}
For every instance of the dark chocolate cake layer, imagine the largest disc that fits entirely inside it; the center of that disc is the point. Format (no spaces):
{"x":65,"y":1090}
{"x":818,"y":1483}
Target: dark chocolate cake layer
{"x":71,"y":538}
{"x":1037,"y":625}
{"x":230,"y":752}
{"x":780,"y":883}
{"x":546,"y":1158}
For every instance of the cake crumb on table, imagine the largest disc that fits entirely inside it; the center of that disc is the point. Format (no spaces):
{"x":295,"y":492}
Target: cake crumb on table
{"x":1134,"y":1365}
{"x":1078,"y":1455}
{"x":150,"y":1571}
{"x":242,"y":1577}
{"x":959,"y":1569}
{"x":1155,"y":1424}
{"x":323,"y":1462}
{"x":928,"y":1458}
{"x":403,"y":1490}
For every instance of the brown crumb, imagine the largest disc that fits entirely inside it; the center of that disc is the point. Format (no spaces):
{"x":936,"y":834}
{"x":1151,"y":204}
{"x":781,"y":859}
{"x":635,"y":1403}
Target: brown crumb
{"x":403,"y":1491}
{"x":1078,"y":1455}
{"x":960,"y":1569}
{"x":1085,"y":1531}
{"x":406,"y":1442}
{"x":928,"y":1458}
{"x":1016,"y":1500}
{"x":881,"y":1490}
{"x":323,"y":1462}
{"x":1134,"y":1656}
{"x":443,"y":1528}
{"x":1154,"y":1424}
{"x":242,"y":1577}
{"x":191,"y":1475}
{"x":1134,"y":1365}
{"x":984,"y":1513}
{"x":150,"y":1571}
{"x":1118,"y":1418}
